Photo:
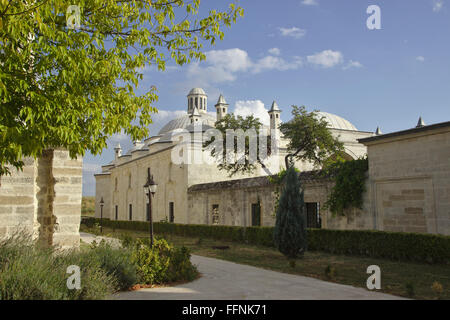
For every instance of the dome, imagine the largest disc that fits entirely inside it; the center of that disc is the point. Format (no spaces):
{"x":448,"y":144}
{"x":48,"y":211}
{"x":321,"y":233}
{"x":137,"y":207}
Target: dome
{"x":184,"y":121}
{"x":336,"y":122}
{"x":197,"y":91}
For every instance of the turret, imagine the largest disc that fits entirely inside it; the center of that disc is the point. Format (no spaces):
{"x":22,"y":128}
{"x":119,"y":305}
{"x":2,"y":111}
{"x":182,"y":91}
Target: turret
{"x":274,"y":114}
{"x":221,"y":107}
{"x":197,"y":98}
{"x":195,"y":116}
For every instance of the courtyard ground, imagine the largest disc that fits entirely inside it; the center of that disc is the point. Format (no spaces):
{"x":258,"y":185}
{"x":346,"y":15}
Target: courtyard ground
{"x":397,"y":278}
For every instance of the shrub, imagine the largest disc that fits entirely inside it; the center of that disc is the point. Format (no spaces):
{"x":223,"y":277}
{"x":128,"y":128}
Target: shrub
{"x":430,"y":248}
{"x":163,"y":263}
{"x":28,"y":272}
{"x":116,"y":262}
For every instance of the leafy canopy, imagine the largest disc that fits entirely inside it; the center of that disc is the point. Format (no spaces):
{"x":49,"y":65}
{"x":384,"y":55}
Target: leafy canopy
{"x":310,"y":138}
{"x":248,"y":154}
{"x":72,"y":88}
{"x":308,"y":135}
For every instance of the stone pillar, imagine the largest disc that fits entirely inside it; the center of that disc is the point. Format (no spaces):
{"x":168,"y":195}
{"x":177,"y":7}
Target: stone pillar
{"x":44,"y":199}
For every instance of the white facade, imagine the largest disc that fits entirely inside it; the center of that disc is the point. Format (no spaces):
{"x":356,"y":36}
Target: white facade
{"x":121,"y":182}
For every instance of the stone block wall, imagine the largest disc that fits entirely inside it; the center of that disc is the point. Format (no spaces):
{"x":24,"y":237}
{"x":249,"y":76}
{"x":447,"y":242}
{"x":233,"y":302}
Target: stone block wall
{"x":410,"y":175}
{"x":44,"y":199}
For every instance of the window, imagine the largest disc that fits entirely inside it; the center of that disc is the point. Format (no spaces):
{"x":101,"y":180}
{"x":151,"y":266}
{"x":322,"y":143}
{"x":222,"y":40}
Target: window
{"x":256,"y":214}
{"x":117,"y":212}
{"x":313,"y":215}
{"x":196,"y":102}
{"x":171,"y":212}
{"x":129,"y":181}
{"x":115,"y":184}
{"x":223,"y":110}
{"x":215,"y":214}
{"x":192,"y":103}
{"x":277,"y":115}
{"x":131,"y":212}
{"x":271,"y":116}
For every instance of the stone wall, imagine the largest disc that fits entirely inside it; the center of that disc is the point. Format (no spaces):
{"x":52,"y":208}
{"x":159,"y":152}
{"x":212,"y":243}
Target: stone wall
{"x":235,"y":199}
{"x":410,"y":180}
{"x":44,"y":199}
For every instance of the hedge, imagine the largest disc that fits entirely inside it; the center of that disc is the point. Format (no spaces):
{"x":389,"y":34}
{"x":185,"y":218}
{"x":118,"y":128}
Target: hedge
{"x":403,"y":246}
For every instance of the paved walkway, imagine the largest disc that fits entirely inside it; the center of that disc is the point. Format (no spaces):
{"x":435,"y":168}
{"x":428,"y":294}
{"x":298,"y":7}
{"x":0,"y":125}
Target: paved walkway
{"x":223,"y":280}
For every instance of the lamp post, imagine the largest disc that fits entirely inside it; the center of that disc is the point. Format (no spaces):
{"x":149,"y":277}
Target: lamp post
{"x":150,"y":189}
{"x":101,"y":215}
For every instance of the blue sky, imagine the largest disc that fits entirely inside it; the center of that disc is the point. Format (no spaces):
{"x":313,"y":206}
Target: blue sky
{"x":317,"y":53}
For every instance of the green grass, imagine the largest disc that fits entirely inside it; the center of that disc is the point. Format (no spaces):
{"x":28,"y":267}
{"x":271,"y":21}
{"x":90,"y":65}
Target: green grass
{"x":350,"y":270}
{"x":88,"y":206}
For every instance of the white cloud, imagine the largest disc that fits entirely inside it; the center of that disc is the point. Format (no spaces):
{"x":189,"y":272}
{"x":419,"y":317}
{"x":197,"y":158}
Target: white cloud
{"x":420,"y":58}
{"x":438,"y":5}
{"x":274,"y":51}
{"x":293,"y":32}
{"x":353,"y":64}
{"x":276,"y":63}
{"x":310,"y":2}
{"x":224,"y":65}
{"x":326,"y":58}
{"x":252,"y":107}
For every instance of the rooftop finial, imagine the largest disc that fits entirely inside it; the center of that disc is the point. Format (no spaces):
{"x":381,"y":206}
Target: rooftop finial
{"x":378,"y":131}
{"x":420,"y":123}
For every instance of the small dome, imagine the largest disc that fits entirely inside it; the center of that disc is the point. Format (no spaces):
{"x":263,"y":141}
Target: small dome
{"x":184,"y":121}
{"x":336,"y":122}
{"x":197,"y":91}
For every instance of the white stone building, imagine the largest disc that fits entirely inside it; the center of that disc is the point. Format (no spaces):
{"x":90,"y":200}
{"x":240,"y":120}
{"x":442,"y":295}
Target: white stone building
{"x":121,"y":182}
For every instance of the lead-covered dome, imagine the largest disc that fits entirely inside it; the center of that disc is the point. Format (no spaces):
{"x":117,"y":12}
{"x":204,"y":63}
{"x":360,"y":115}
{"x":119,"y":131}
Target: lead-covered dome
{"x":337,"y":122}
{"x":197,"y":91}
{"x":184,"y":121}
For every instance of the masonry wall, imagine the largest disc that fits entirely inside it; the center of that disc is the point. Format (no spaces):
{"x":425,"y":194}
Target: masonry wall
{"x":236,"y":198}
{"x":410,"y":180}
{"x":44,"y":200}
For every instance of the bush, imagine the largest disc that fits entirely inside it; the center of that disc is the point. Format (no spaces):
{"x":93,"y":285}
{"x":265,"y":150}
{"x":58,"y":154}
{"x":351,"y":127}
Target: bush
{"x":404,"y":246}
{"x":116,"y":262}
{"x":163,"y":263}
{"x":28,"y":272}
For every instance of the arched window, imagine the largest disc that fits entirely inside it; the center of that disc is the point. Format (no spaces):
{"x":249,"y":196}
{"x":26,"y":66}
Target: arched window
{"x":192,"y":104}
{"x":201,"y":103}
{"x":196,"y":102}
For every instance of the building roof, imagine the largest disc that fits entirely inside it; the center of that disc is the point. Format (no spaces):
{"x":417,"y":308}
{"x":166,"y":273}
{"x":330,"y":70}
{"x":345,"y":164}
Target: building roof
{"x":337,"y":122}
{"x":274,"y":107}
{"x":416,"y":130}
{"x":221,"y":100}
{"x":262,"y":181}
{"x":183,"y":121}
{"x":197,"y":91}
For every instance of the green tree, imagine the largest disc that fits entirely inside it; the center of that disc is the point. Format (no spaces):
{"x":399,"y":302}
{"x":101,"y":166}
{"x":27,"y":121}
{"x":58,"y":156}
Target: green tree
{"x":245,"y":133}
{"x":290,"y":226}
{"x":72,"y":88}
{"x":309,"y":135}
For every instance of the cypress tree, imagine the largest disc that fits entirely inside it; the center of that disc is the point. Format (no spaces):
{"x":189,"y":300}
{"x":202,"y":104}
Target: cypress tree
{"x":290,"y":227}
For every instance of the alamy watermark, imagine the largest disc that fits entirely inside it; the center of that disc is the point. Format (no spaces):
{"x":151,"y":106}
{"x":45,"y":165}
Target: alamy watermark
{"x":73,"y":17}
{"x":374,"y":281}
{"x":374,"y":20}
{"x":74,"y":280}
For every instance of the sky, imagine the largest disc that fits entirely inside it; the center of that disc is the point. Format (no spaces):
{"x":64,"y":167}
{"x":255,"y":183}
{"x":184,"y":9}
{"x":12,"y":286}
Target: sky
{"x":317,"y":53}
